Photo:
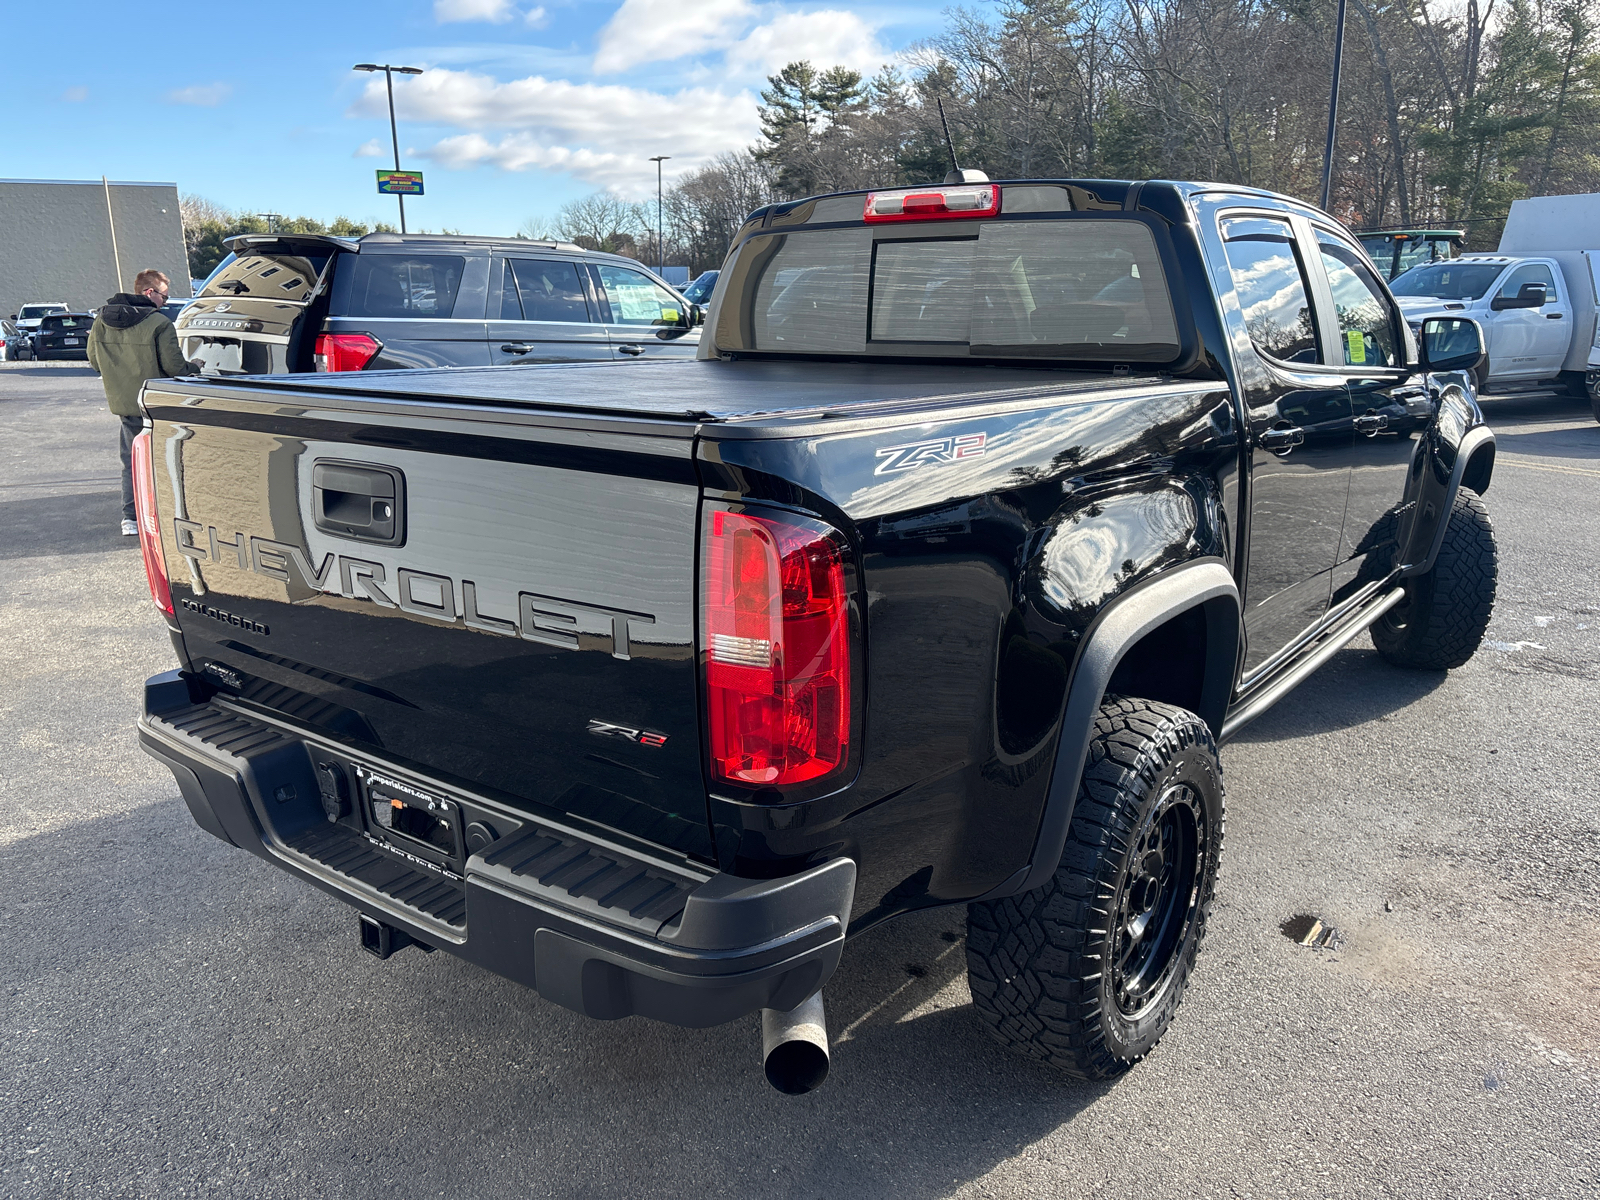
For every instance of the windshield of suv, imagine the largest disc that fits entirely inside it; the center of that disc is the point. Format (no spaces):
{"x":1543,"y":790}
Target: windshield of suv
{"x":266,"y":276}
{"x":1447,"y":280}
{"x":1075,"y":288}
{"x":32,"y":312}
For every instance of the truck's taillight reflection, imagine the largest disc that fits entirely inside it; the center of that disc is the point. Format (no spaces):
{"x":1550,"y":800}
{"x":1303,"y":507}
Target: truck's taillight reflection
{"x":144,"y":504}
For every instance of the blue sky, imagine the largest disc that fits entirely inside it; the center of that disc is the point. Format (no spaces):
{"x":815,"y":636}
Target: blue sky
{"x":525,"y":103}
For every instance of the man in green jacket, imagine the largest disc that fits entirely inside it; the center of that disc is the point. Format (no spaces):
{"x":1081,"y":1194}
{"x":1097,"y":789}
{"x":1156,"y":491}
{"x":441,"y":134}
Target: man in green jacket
{"x":132,"y":341}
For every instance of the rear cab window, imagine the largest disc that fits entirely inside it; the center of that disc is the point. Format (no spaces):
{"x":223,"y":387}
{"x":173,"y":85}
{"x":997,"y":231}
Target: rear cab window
{"x":1052,"y":276}
{"x":65,"y":324}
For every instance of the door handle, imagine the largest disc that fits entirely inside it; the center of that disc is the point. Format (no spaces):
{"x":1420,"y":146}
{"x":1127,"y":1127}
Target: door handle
{"x":630,"y":350}
{"x":1371,"y":423}
{"x":1554,"y":316}
{"x":516,"y":348}
{"x":1282,"y":439}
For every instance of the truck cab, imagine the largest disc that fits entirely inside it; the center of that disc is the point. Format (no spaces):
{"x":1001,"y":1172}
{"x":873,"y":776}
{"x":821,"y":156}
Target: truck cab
{"x":1529,"y":310}
{"x":1396,"y":251}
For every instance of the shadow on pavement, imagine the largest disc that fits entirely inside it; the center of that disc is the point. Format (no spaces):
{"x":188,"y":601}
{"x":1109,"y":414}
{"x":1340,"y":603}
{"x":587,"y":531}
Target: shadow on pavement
{"x":81,"y":523}
{"x":1352,"y":688}
{"x":196,"y":998}
{"x":1583,"y":444}
{"x":55,"y":370}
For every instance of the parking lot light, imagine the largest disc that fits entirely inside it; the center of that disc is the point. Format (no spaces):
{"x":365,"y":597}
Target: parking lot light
{"x":389,"y":72}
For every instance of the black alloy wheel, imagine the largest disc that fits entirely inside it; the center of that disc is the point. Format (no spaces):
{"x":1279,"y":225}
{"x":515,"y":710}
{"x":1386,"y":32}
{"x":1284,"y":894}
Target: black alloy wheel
{"x":1158,"y":903}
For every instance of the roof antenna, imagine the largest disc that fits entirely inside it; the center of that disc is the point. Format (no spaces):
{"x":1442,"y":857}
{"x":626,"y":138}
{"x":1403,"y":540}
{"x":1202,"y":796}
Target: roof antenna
{"x":956,"y":174}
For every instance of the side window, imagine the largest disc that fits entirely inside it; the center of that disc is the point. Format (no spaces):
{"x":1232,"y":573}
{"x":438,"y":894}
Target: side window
{"x":635,"y":300}
{"x":404,"y":285}
{"x":1270,"y":281}
{"x":548,"y":288}
{"x":508,"y":307}
{"x":1367,"y":334}
{"x":1529,"y":273}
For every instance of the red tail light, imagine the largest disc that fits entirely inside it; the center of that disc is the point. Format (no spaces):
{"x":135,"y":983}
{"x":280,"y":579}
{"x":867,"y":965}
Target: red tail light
{"x":933,"y":203}
{"x":345,"y":351}
{"x":775,"y":623}
{"x":144,"y":505}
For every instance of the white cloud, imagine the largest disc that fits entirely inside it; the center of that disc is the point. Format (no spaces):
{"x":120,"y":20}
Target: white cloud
{"x":644,"y":31}
{"x":493,"y":11}
{"x":536,"y":18}
{"x":201,"y":95}
{"x":824,"y":39}
{"x":77,"y":95}
{"x":372,"y":149}
{"x":602,"y":133}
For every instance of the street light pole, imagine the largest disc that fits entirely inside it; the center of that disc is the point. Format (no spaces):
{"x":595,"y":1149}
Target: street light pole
{"x":1333,"y":108}
{"x":394,"y":132}
{"x":661,"y":244}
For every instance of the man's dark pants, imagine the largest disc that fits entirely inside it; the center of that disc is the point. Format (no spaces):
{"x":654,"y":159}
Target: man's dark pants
{"x":131,"y":428}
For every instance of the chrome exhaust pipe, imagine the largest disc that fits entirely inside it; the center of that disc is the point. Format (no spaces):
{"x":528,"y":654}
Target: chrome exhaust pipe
{"x":794,"y":1046}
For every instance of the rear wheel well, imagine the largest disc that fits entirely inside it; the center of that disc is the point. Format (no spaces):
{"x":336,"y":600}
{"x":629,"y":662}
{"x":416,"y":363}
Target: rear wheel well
{"x":1169,"y":664}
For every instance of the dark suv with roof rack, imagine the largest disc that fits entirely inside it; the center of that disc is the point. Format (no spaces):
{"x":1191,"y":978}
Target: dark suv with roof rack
{"x":290,"y":303}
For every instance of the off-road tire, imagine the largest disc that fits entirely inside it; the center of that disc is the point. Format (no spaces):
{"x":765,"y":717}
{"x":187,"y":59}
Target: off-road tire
{"x":1045,"y":966}
{"x":1440,"y":623}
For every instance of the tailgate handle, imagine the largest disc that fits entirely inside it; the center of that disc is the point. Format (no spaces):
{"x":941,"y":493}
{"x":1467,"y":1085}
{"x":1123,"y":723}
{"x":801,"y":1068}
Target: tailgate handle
{"x":359,"y":501}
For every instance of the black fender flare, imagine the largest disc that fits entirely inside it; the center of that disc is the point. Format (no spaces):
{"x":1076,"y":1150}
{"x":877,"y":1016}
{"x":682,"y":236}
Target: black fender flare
{"x":1475,"y":453}
{"x":1119,"y":626}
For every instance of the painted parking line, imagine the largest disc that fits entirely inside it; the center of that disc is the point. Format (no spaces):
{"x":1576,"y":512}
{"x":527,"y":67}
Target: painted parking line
{"x":1514,"y":460}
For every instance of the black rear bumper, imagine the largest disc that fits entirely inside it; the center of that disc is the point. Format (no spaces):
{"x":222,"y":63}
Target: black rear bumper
{"x":602,"y":927}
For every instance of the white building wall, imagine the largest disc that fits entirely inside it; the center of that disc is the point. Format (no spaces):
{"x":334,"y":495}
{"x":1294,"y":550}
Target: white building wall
{"x":55,"y":240}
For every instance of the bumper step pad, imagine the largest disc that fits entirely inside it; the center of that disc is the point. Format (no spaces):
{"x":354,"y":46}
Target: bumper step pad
{"x":349,"y":854}
{"x":592,"y":879}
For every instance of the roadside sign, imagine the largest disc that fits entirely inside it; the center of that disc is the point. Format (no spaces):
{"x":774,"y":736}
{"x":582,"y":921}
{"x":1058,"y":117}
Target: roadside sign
{"x":400,"y":183}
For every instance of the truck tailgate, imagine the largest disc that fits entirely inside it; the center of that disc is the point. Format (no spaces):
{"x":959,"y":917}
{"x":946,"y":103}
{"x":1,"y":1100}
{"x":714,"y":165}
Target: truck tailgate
{"x":486,"y":594}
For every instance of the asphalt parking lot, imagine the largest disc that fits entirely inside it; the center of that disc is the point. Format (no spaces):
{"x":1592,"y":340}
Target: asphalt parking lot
{"x":180,"y":1019}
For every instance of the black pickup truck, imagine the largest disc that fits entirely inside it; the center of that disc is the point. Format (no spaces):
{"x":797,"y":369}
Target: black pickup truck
{"x":987,"y":511}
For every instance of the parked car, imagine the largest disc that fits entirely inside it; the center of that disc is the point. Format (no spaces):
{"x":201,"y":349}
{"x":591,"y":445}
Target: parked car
{"x":11,"y":339}
{"x":63,"y":335}
{"x":287,"y":303}
{"x":699,"y":292}
{"x":985,"y":512}
{"x":1536,"y":317}
{"x":27,"y":318}
{"x":1396,"y":251}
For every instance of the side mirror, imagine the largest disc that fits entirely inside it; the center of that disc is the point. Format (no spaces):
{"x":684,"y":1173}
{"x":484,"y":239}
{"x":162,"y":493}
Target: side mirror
{"x":1530,"y":295}
{"x":697,"y":315}
{"x":1450,"y":344}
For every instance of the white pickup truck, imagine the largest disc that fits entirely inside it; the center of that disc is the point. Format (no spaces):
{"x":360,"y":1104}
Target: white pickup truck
{"x":1536,"y":299}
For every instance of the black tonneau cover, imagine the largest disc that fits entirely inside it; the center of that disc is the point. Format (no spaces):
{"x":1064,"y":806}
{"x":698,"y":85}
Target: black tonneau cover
{"x":700,"y":390}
